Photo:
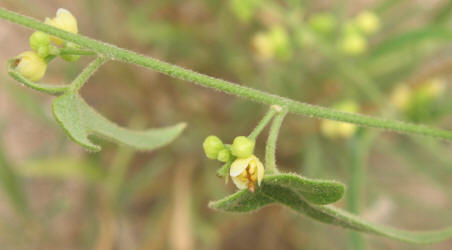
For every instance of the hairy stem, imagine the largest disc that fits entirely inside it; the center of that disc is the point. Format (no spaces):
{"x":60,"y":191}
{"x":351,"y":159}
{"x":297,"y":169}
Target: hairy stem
{"x":83,"y":77}
{"x":293,"y":106}
{"x":270,"y":149}
{"x":265,"y":120}
{"x":46,"y":88}
{"x":80,"y":52}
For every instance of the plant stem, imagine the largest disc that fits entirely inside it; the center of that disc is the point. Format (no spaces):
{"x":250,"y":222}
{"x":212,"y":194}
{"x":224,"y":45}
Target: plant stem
{"x":270,"y":149}
{"x":73,"y":51}
{"x":293,"y":106}
{"x":83,"y":77}
{"x":359,"y":151}
{"x":46,"y":88}
{"x":261,"y":125}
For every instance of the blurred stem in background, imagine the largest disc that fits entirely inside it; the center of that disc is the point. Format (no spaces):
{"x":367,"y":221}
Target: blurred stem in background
{"x":359,"y":147}
{"x":11,"y":184}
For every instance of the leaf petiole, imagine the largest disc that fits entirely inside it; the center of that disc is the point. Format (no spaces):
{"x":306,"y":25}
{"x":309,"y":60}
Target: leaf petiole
{"x":83,"y":77}
{"x":270,"y":149}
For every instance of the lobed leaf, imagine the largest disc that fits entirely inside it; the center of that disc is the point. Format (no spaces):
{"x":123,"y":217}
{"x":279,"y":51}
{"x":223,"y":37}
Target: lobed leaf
{"x":245,"y":201}
{"x":79,"y":121}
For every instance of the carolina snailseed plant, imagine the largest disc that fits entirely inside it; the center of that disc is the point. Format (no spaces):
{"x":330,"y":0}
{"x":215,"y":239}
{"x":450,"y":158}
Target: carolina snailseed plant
{"x":260,"y":183}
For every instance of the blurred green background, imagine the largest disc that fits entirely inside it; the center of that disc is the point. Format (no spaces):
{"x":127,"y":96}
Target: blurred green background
{"x":394,"y":61}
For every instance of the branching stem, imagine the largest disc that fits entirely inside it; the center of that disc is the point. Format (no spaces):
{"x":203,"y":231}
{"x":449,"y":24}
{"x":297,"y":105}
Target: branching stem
{"x":263,"y":123}
{"x":115,"y":53}
{"x":270,"y":149}
{"x":83,"y":77}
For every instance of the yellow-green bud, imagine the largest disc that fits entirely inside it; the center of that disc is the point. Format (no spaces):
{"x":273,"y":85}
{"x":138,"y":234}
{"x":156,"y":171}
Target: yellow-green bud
{"x":224,"y":155}
{"x":212,"y":146}
{"x":43,"y":52}
{"x":280,"y":42}
{"x":242,"y":147}
{"x":353,"y":44}
{"x":31,"y":66}
{"x":368,"y":22}
{"x":322,"y":23}
{"x":40,"y":42}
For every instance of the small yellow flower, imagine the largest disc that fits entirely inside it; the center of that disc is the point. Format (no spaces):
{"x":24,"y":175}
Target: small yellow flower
{"x":272,"y":43}
{"x":353,"y":44}
{"x":368,"y":22}
{"x":433,"y":87}
{"x":245,"y":172}
{"x":64,"y":20}
{"x":401,"y":96}
{"x":30,"y":66}
{"x":263,"y":45}
{"x":334,"y":129}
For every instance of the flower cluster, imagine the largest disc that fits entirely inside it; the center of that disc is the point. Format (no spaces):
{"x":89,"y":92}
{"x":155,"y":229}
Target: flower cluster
{"x":350,"y":37}
{"x":245,"y":168}
{"x":272,"y":43}
{"x":354,"y":32}
{"x":354,"y":40}
{"x":33,"y":64}
{"x":418,"y":102}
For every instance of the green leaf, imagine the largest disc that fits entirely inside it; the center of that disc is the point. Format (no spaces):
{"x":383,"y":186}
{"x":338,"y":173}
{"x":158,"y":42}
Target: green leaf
{"x":79,"y":121}
{"x":319,"y":192}
{"x":242,"y":201}
{"x":245,"y":201}
{"x":315,"y":191}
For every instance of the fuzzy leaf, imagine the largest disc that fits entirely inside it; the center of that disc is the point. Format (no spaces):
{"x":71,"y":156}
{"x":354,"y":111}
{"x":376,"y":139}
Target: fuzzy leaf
{"x":319,"y":192}
{"x":245,"y":201}
{"x":79,"y":121}
{"x":315,"y":191}
{"x":242,"y":201}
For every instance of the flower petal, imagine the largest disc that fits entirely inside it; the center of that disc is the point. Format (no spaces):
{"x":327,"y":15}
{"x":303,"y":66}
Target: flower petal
{"x":239,"y":165}
{"x":240,"y":184}
{"x":260,"y":171}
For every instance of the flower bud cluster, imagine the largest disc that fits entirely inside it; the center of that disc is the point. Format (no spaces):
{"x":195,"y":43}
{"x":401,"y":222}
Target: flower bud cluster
{"x":33,"y":64}
{"x":245,"y":168}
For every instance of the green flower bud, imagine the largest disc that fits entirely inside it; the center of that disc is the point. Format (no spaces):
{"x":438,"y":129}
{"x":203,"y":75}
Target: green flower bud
{"x":322,"y":23}
{"x":212,"y":146}
{"x":43,"y":52}
{"x":224,"y":155}
{"x":39,"y":39}
{"x":40,"y":42}
{"x":242,"y":147}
